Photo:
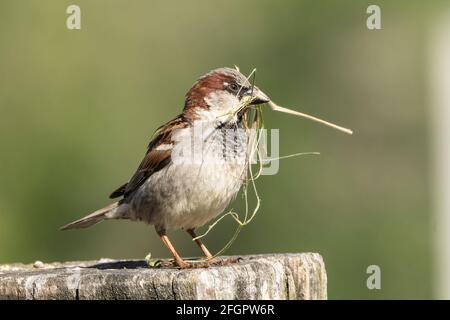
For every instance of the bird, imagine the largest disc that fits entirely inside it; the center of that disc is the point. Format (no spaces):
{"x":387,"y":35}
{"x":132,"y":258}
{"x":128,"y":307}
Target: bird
{"x":194,"y":165}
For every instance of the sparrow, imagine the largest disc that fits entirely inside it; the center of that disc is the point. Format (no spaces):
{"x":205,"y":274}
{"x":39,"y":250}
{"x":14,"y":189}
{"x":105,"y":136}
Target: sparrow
{"x":195,"y":164}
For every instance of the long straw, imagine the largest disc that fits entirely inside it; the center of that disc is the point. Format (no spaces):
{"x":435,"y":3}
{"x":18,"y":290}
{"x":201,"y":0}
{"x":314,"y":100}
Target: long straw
{"x":276,"y":107}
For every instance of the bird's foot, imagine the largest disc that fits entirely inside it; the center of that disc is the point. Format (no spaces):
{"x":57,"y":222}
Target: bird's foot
{"x":182,"y":264}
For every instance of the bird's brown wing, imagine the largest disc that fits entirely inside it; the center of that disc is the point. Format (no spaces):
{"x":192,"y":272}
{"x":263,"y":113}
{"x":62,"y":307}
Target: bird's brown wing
{"x":155,"y":159}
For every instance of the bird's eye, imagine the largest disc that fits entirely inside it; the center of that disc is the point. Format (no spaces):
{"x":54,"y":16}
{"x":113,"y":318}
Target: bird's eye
{"x":233,"y":86}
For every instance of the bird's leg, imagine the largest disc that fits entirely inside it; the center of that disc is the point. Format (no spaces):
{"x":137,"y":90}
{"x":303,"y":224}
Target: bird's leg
{"x":179,"y":261}
{"x":200,"y":244}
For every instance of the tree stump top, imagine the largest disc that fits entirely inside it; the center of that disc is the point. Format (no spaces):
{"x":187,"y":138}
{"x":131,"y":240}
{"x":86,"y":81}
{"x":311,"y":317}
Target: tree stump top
{"x":274,"y":276}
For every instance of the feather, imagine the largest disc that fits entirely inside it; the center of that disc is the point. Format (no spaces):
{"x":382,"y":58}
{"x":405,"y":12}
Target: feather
{"x":155,"y":159}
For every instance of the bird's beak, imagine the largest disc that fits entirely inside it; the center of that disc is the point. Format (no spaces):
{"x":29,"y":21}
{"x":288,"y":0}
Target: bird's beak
{"x":258,"y":97}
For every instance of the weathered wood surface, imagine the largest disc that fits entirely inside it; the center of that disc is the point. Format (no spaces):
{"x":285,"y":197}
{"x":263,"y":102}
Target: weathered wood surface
{"x":277,"y":276}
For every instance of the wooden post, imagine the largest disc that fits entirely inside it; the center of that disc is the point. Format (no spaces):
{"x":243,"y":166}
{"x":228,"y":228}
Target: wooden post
{"x":275,"y":276}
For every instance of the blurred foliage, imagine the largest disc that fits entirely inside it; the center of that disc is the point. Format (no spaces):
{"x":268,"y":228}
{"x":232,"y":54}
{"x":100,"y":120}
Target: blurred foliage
{"x":77,"y":109}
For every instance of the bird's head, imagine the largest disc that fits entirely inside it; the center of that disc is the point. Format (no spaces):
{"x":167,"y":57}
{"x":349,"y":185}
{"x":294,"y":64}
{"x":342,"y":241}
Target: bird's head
{"x":222,"y":95}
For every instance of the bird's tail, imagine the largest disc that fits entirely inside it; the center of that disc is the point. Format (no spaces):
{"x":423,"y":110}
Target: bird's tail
{"x":93,"y":218}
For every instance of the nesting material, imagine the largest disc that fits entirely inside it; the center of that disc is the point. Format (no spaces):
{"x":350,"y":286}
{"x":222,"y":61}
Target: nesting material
{"x":253,"y":123}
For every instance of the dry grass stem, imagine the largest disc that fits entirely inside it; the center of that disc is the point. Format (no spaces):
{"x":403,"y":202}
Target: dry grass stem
{"x":276,"y":107}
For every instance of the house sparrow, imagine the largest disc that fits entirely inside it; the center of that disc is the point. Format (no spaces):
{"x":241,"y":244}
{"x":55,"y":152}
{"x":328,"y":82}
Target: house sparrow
{"x":195,"y":164}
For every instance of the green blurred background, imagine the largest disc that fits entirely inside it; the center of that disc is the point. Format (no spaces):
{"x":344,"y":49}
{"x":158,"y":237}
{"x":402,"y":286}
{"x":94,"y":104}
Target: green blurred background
{"x":77,"y":109}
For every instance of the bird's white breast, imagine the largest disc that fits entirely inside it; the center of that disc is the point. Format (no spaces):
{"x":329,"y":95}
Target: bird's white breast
{"x":207,"y":169}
